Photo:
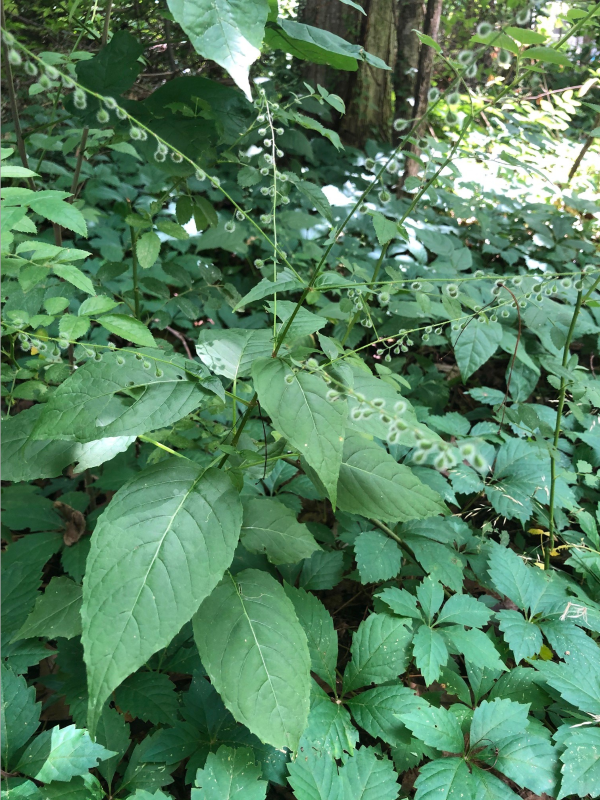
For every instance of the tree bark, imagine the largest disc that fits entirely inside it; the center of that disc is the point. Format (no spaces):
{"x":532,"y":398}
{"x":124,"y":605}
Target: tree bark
{"x":370,"y":111}
{"x":411,"y":15}
{"x":343,"y":21}
{"x":431,"y":27}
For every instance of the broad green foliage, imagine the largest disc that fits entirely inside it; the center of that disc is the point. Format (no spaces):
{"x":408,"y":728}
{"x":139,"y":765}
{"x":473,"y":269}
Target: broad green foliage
{"x":300,"y":431}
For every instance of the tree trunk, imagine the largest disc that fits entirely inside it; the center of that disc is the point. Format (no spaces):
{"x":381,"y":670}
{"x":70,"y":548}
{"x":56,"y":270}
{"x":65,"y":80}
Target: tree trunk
{"x":369,"y":113}
{"x":343,"y":21}
{"x":411,"y":14}
{"x":431,"y":27}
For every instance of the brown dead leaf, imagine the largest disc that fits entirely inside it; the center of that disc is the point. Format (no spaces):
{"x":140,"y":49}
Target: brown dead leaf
{"x":75,"y":523}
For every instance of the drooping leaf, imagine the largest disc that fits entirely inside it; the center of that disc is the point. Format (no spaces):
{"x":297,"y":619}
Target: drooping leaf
{"x":56,"y":612}
{"x":270,"y":527}
{"x":225,"y":31}
{"x":158,"y":550}
{"x":62,"y":213}
{"x":120,"y":396}
{"x":298,"y":405}
{"x":230,"y":775}
{"x":20,"y":714}
{"x":320,"y":633}
{"x":373,"y":484}
{"x":379,"y":651}
{"x":475,"y":345}
{"x":59,"y":754}
{"x":255,"y":652}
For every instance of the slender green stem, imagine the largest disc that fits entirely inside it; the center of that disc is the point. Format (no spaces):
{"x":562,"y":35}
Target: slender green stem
{"x":373,"y":280}
{"x":164,"y":447}
{"x":559,"y":412}
{"x":134,"y":266}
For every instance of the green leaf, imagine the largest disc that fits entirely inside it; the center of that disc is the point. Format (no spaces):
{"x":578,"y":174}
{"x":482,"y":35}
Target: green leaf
{"x":323,"y":570}
{"x":17,"y":172}
{"x":373,"y":484}
{"x":256,"y":655}
{"x":225,"y":31}
{"x":376,"y":710}
{"x":431,"y":597}
{"x":25,"y":459}
{"x":548,"y":55}
{"x":437,"y":727}
{"x":526,"y":36}
{"x":329,"y":728}
{"x":316,"y":196}
{"x":298,"y":405}
{"x":320,"y":633}
{"x":368,"y":777}
{"x":475,"y":646}
{"x":578,"y":685}
{"x":581,"y":764}
{"x":56,"y":612}
{"x":270,"y":527}
{"x":231,"y":352}
{"x":59,"y":754}
{"x":444,"y":779}
{"x":72,"y":327}
{"x":530,"y":761}
{"x":20,"y":714}
{"x":230,"y":775}
{"x":303,"y":324}
{"x":122,"y":395}
{"x":96,"y":305}
{"x":171,"y":228}
{"x":158,"y":550}
{"x":462,"y":609}
{"x":315,"y":776}
{"x":114,"y":69}
{"x":286,"y":282}
{"x":510,"y":575}
{"x":430,"y":653}
{"x":379,"y":651}
{"x":377,"y":556}
{"x":400,"y":601}
{"x":128,"y":328}
{"x":147,"y":248}
{"x":498,"y":720}
{"x":385,"y":229}
{"x":488,"y":787}
{"x":60,"y":212}
{"x":75,"y":276}
{"x":149,"y":696}
{"x":522,"y":636}
{"x":112,"y":733}
{"x":428,"y":40}
{"x":476,"y":344}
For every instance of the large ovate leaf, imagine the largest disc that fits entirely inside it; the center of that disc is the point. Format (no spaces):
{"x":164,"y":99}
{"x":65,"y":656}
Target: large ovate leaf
{"x":124,"y":394}
{"x":256,"y":655}
{"x":231,"y":352}
{"x":128,"y":328}
{"x":158,"y":550}
{"x":270,"y":527}
{"x":475,"y":345}
{"x":20,"y":714}
{"x":229,"y":32}
{"x":373,"y":484}
{"x":298,"y":405}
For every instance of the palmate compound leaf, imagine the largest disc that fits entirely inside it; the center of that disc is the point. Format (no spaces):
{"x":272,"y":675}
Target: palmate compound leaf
{"x":125,"y":394}
{"x":379,"y":651}
{"x":230,"y":775}
{"x":444,"y":779}
{"x":59,"y":754}
{"x":578,"y":684}
{"x":530,"y":761}
{"x":373,"y":484}
{"x":20,"y":714}
{"x":329,"y":728}
{"x":158,"y":550}
{"x":256,"y":655}
{"x":26,"y":459}
{"x":581,"y":764}
{"x":364,"y":776}
{"x":320,"y":633}
{"x":498,"y":720}
{"x":298,"y":405}
{"x":376,"y":710}
{"x":226,"y":31}
{"x":378,"y":557}
{"x":270,"y":527}
{"x":430,"y":653}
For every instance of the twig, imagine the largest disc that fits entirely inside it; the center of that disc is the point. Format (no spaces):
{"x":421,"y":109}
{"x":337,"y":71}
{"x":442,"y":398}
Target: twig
{"x":587,"y":144}
{"x":80,"y":152}
{"x":182,"y":339}
{"x":105,"y":29}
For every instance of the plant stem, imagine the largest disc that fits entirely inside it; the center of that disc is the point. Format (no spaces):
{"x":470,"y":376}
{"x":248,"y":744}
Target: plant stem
{"x":559,"y":412}
{"x":134,"y":266}
{"x":80,"y":152}
{"x":13,"y":104}
{"x":373,"y":280}
{"x":162,"y":447}
{"x":105,"y":29}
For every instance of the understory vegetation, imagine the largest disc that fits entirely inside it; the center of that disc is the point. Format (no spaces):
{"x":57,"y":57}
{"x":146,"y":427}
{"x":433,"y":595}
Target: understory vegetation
{"x":300,"y":434}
